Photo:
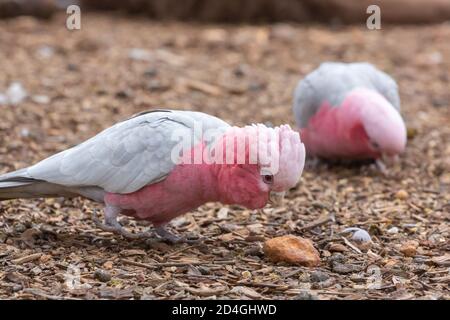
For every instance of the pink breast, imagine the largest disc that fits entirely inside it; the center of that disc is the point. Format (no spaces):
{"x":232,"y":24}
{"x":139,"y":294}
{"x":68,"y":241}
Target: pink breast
{"x":336,"y":133}
{"x":162,"y":201}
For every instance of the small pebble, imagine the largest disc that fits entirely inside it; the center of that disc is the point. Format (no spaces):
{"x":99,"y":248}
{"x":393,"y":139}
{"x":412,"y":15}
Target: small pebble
{"x":3,"y":99}
{"x":402,"y":194}
{"x":409,"y":248}
{"x":36,"y":271}
{"x":393,"y":230}
{"x":306,"y":295}
{"x":323,"y":284}
{"x":318,"y":276}
{"x":359,"y":234}
{"x":16,"y":93}
{"x":156,"y":85}
{"x":123,"y":94}
{"x":45,"y":51}
{"x":19,"y":227}
{"x":45,"y":258}
{"x":254,"y":251}
{"x":139,"y":54}
{"x":255,"y":86}
{"x":40,"y":99}
{"x":24,"y":132}
{"x":337,"y":247}
{"x":102,"y":275}
{"x":151,"y":72}
{"x":72,"y":67}
{"x":411,"y":132}
{"x":16,"y":287}
{"x":240,"y":71}
{"x":338,"y":257}
{"x":108,"y":265}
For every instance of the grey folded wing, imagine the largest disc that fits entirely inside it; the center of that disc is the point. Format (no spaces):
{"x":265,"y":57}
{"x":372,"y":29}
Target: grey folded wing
{"x":126,"y":156}
{"x":386,"y":86}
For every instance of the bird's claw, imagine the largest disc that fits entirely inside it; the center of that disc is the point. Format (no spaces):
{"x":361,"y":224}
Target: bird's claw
{"x":382,"y":167}
{"x":117,"y":228}
{"x":113,"y":226}
{"x":172,"y":238}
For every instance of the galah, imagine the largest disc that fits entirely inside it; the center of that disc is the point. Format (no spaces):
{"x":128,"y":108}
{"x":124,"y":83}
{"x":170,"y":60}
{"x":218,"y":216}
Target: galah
{"x":349,"y":111}
{"x":160,"y":164}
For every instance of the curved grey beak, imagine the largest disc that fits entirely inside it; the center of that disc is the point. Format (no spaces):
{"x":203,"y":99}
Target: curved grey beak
{"x":384,"y":161}
{"x":390,"y":159}
{"x":276,"y":198}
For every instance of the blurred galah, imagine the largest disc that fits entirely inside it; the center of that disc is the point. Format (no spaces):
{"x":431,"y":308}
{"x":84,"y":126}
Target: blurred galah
{"x":349,"y":111}
{"x":160,"y":164}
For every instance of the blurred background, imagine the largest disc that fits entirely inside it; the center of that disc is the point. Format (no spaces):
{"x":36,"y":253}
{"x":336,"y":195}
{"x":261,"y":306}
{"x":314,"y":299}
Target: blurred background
{"x":337,"y":11}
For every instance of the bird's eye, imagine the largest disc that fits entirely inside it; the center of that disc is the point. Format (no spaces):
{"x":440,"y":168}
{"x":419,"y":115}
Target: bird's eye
{"x":375,"y":145}
{"x":268,"y":178}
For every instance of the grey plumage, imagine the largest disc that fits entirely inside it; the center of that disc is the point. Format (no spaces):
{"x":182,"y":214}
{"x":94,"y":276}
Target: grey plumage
{"x":332,"y":81}
{"x":121,"y":159}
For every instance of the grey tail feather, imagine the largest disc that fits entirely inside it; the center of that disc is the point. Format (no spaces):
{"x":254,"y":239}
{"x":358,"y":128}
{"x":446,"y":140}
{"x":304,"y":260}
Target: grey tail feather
{"x":18,"y":184}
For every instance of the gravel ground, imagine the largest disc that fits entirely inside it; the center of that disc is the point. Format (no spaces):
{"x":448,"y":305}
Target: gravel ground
{"x":79,"y":82}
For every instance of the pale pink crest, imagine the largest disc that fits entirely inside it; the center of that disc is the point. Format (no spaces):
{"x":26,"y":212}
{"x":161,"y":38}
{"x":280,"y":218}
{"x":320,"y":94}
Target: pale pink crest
{"x":277,"y":151}
{"x":383,"y":124}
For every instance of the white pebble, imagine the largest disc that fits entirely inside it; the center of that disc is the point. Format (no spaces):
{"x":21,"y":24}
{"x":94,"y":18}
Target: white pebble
{"x":41,"y":99}
{"x":24,"y":132}
{"x":45,"y":51}
{"x":16,"y":93}
{"x":393,"y":230}
{"x":359,"y":234}
{"x":139,"y":54}
{"x":3,"y":99}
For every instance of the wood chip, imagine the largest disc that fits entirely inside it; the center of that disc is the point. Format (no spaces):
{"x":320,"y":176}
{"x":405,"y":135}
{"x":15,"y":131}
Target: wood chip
{"x":28,"y":258}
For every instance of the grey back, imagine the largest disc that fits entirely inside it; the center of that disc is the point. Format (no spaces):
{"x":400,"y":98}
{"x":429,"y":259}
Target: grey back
{"x":332,"y":81}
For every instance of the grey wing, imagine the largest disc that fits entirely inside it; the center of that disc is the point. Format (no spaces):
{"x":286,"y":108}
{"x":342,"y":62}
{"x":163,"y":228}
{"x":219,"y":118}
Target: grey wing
{"x":306,"y":102}
{"x":387,"y":86}
{"x":122,"y":158}
{"x":328,"y":83}
{"x":373,"y":78}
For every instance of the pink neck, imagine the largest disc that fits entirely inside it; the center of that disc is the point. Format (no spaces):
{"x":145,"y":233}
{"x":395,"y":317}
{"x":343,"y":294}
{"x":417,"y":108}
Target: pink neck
{"x":208,"y":181}
{"x":226,"y":183}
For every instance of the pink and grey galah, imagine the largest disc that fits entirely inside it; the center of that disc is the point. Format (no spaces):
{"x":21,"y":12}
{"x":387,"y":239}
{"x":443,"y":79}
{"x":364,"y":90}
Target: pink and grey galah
{"x":349,"y":111}
{"x":160,"y":164}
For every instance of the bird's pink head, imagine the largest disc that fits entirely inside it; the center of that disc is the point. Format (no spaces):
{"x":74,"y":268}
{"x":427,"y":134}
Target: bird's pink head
{"x":382,"y":123}
{"x":258,"y":162}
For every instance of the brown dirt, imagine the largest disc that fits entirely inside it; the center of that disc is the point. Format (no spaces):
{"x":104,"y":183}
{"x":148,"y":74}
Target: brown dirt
{"x":242,"y":74}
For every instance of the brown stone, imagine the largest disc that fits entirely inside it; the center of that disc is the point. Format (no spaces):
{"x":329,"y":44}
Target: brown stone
{"x":402,"y":194}
{"x":292,"y":249}
{"x":337,"y":247}
{"x":409,"y":248}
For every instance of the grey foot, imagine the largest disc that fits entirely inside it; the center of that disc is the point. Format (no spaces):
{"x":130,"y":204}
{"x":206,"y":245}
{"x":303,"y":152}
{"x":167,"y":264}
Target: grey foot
{"x":172,"y":238}
{"x":313,"y":163}
{"x":113,"y":226}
